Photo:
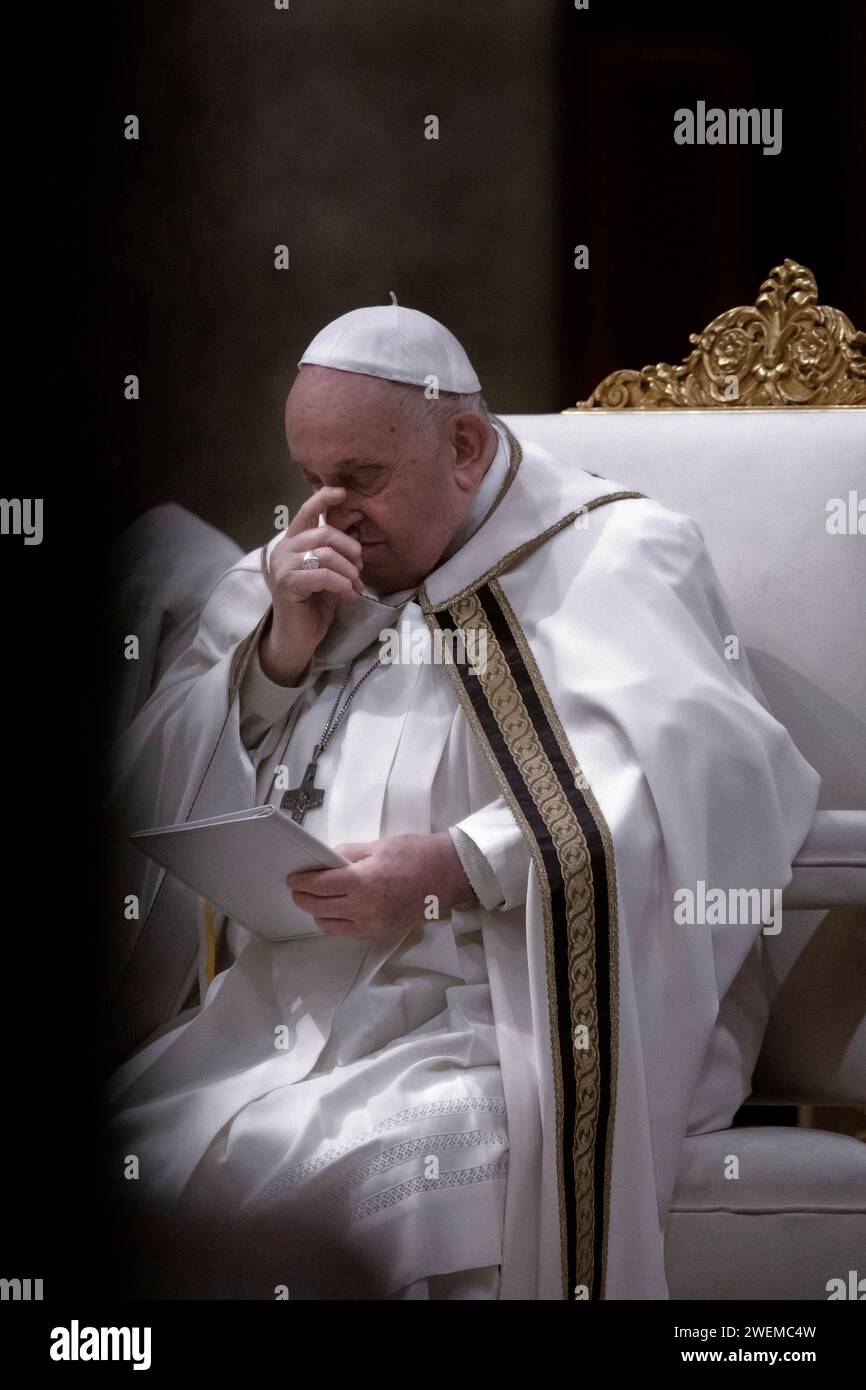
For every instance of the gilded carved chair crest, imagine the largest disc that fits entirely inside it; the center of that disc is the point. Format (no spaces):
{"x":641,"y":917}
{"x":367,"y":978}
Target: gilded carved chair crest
{"x":784,"y":350}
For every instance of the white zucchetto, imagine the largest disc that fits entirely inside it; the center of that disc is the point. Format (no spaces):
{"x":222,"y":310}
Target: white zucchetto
{"x":397,"y":344}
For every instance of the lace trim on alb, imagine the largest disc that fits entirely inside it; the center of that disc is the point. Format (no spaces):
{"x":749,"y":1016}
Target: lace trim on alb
{"x":410,"y":1148}
{"x":298,"y":1172}
{"x":455,"y":1177}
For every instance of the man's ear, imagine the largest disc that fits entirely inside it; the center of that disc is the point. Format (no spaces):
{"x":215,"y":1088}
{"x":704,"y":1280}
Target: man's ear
{"x":471,"y":438}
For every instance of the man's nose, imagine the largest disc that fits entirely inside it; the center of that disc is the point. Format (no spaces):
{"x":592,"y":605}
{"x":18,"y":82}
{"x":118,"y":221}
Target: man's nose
{"x":344,"y":516}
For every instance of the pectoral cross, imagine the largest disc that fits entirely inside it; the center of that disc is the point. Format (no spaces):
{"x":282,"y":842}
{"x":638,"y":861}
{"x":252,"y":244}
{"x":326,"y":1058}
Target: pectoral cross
{"x":306,"y":797}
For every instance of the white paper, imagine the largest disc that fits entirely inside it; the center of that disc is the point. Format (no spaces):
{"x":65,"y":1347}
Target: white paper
{"x":240,"y":862}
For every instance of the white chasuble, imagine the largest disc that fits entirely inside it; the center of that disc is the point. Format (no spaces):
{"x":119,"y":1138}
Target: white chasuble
{"x":503,"y":1095}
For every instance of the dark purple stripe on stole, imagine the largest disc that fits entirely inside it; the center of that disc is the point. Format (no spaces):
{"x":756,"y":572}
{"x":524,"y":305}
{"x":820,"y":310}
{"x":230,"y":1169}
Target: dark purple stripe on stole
{"x":553,"y":870}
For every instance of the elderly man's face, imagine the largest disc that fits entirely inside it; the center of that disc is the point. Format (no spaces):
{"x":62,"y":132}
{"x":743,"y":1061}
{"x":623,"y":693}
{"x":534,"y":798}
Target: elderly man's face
{"x":407,"y":488}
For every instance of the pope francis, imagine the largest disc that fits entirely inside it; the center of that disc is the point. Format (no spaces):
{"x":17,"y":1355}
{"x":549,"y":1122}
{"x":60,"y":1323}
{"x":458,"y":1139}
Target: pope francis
{"x":476,"y":1079}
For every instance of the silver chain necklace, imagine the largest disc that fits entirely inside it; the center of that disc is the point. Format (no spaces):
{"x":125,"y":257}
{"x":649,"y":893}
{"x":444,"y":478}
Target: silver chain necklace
{"x":309,"y":797}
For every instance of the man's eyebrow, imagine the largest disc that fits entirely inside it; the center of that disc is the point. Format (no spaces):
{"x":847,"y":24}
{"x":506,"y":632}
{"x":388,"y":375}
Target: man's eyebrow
{"x":347,"y":466}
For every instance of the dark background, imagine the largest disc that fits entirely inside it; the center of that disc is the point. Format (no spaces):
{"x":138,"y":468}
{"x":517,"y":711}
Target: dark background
{"x":306,"y":127}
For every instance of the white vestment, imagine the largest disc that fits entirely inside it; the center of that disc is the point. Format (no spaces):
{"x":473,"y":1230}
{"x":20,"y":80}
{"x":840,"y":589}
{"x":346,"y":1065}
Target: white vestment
{"x":164,"y":565}
{"x":430,"y":1107}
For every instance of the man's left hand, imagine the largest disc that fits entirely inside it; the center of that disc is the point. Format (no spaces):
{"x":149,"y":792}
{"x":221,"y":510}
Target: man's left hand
{"x":387,"y":887}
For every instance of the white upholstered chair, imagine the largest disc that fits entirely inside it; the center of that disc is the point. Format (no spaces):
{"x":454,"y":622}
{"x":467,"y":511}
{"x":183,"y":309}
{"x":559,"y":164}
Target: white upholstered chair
{"x":768,"y":476}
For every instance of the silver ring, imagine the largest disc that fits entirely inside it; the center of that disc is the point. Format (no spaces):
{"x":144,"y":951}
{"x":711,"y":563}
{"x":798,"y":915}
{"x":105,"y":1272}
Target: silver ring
{"x":310,"y":560}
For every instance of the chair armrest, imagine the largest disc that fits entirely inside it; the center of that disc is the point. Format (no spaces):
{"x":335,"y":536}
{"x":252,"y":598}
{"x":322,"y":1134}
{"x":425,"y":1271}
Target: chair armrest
{"x":830,"y":868}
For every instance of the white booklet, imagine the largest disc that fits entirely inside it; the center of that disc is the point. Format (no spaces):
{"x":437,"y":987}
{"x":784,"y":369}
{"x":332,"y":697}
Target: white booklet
{"x":240,"y":861}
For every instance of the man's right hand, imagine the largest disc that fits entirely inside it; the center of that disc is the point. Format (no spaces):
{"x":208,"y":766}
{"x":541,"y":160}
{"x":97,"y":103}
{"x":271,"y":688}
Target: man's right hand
{"x":305,"y":601}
